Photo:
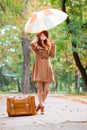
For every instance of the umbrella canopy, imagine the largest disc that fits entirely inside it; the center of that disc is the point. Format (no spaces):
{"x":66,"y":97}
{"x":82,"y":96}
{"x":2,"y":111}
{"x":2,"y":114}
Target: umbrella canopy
{"x":44,"y":20}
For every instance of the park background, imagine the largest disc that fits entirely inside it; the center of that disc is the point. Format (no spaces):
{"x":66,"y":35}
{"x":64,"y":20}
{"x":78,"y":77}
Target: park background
{"x":16,"y":57}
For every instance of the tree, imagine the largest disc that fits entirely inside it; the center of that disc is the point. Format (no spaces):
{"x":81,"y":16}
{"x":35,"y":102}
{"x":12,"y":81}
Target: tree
{"x":74,"y":45}
{"x":14,"y":10}
{"x":26,"y":68}
{"x":76,"y":27}
{"x":14,"y":13}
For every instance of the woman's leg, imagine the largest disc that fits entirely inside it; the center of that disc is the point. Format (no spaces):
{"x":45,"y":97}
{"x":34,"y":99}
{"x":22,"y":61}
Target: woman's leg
{"x":42,"y":94}
{"x":46,"y":90}
{"x":39,"y":92}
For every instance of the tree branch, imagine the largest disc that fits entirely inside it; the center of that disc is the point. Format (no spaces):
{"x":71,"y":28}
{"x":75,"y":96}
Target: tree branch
{"x":26,"y":2}
{"x":3,"y":9}
{"x":64,"y":9}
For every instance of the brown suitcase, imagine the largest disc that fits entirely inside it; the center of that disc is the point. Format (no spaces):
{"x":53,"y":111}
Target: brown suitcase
{"x":18,"y":106}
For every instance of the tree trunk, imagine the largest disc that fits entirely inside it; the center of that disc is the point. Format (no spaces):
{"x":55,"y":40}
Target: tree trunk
{"x":56,"y":86}
{"x":69,"y":88}
{"x":79,"y":65}
{"x":76,"y":81}
{"x":26,"y":57}
{"x":75,"y":54}
{"x":18,"y":84}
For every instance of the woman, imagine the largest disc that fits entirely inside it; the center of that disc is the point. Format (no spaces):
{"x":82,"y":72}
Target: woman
{"x":42,"y":71}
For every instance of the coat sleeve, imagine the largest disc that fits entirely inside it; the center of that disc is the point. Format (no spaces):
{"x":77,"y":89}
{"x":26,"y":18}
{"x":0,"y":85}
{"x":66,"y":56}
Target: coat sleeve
{"x":34,"y":46}
{"x":52,"y":51}
{"x":43,"y":53}
{"x":37,"y":49}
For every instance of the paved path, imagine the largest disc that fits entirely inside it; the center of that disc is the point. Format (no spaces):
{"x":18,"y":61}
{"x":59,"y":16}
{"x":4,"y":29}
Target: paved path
{"x":60,"y":114}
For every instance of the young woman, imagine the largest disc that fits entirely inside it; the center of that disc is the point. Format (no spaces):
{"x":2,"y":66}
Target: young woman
{"x":42,"y":71}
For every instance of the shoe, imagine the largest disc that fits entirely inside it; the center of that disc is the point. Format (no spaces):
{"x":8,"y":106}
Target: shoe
{"x":42,"y":109}
{"x":38,"y":108}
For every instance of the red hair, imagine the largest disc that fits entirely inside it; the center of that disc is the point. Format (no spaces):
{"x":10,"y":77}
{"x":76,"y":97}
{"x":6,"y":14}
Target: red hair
{"x":44,"y":32}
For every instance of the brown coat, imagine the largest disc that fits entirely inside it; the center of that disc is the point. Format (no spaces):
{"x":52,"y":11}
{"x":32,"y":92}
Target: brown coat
{"x":42,"y":69}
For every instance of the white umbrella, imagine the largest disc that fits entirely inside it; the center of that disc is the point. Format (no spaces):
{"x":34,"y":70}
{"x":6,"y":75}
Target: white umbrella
{"x":44,"y":20}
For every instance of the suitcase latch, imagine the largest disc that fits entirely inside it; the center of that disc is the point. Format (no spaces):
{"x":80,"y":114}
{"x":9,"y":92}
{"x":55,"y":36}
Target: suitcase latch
{"x":26,"y":105}
{"x":11,"y":105}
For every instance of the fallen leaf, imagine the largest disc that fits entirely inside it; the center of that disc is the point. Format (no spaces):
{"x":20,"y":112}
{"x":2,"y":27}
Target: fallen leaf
{"x":68,"y":121}
{"x":2,"y":124}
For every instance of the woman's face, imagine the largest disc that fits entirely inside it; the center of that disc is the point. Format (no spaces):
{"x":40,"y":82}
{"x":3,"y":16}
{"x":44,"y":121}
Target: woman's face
{"x":42,"y":37}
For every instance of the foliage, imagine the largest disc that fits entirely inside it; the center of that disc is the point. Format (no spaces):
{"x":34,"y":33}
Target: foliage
{"x":13,"y":16}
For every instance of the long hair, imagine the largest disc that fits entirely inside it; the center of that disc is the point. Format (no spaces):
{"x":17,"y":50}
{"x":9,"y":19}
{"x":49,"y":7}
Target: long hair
{"x":46,"y":46}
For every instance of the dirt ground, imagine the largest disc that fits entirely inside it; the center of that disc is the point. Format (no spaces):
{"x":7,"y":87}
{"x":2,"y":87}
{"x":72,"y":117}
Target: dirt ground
{"x":62,"y":112}
{"x":81,"y":98}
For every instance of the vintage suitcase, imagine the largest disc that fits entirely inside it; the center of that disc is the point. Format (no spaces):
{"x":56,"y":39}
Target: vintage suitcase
{"x":18,"y":106}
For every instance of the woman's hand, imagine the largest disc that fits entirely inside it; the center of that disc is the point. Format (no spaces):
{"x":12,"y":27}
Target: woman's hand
{"x":43,"y":45}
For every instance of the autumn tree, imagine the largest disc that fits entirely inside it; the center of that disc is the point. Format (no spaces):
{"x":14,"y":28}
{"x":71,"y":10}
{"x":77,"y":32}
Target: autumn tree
{"x":77,"y":28}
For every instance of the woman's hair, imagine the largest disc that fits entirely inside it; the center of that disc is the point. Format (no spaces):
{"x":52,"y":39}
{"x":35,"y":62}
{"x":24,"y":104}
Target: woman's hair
{"x":46,"y":43}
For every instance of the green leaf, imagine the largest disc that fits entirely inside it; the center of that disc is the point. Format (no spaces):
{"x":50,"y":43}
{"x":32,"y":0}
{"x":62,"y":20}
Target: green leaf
{"x":52,"y":2}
